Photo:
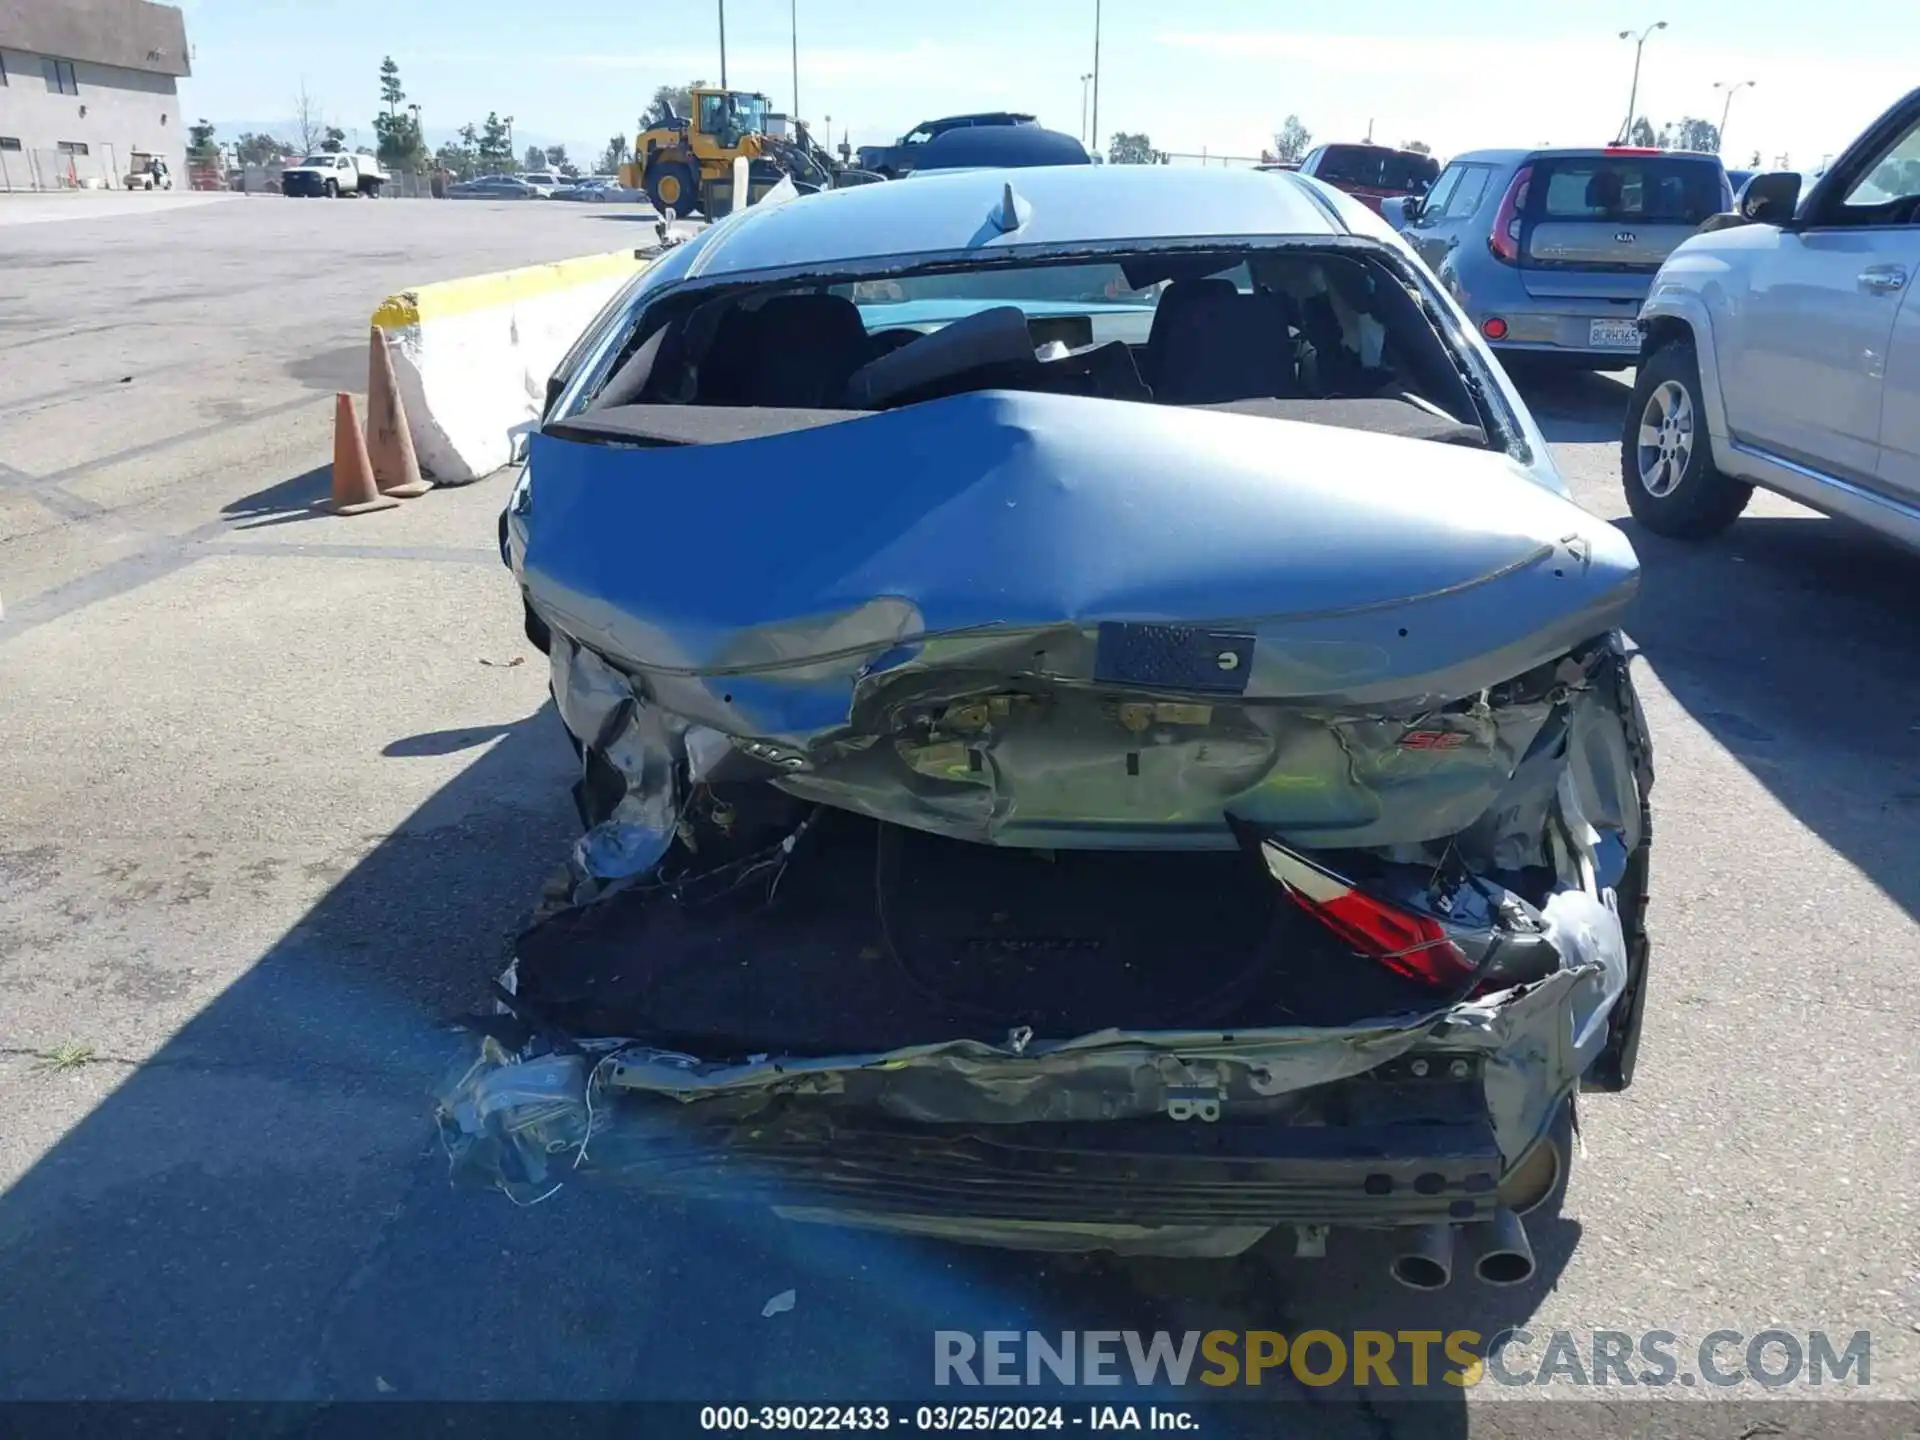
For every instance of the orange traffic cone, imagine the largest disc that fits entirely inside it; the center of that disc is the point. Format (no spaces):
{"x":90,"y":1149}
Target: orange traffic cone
{"x":396,"y":470}
{"x":354,"y":492}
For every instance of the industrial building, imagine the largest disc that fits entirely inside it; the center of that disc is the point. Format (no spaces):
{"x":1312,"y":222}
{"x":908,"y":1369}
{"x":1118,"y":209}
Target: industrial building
{"x":88,"y":90}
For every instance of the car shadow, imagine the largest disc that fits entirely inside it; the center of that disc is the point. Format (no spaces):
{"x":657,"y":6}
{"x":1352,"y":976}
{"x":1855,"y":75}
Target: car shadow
{"x":192,"y":1236}
{"x":444,"y":742}
{"x":1788,"y":637}
{"x":1793,"y":636}
{"x":260,"y":1210}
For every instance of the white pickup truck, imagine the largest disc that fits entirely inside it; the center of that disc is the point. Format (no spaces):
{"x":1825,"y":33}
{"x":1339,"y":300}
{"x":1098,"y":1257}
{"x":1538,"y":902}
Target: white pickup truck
{"x":1781,"y":349}
{"x":332,"y":173}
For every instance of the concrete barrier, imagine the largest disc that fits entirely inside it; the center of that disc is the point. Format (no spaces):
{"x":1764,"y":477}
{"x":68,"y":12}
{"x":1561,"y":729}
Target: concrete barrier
{"x":473,"y":356}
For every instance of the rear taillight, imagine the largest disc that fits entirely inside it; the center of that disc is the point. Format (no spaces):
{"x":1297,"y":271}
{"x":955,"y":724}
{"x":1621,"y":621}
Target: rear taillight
{"x":1505,"y":239}
{"x":1416,"y":946}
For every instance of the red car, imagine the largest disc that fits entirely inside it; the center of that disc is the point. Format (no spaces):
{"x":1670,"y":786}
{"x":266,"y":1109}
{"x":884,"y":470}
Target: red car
{"x":1372,"y":173}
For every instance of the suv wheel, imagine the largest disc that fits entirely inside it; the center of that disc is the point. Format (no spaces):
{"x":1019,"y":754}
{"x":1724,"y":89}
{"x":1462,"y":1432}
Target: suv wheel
{"x":331,"y":190}
{"x":1666,"y":459}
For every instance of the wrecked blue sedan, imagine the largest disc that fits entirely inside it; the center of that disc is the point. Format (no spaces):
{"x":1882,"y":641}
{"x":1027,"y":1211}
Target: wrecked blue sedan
{"x":1099,"y":727}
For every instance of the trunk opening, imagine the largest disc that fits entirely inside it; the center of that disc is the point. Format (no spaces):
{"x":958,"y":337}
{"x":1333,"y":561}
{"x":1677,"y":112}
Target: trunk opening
{"x":872,"y":936}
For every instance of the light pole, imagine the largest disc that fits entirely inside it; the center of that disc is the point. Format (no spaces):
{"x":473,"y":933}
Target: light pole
{"x":513,"y":156}
{"x":1083,"y":105}
{"x":723,"y":44}
{"x":1732,"y":87}
{"x":1095,"y":133}
{"x":1633,"y":95}
{"x":793,"y":26}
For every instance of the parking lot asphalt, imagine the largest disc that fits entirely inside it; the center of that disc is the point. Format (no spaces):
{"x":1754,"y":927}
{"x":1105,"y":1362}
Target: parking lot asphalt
{"x":278,"y":787}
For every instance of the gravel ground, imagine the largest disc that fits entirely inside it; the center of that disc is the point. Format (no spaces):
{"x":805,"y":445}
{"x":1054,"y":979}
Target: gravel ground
{"x":278,"y":786}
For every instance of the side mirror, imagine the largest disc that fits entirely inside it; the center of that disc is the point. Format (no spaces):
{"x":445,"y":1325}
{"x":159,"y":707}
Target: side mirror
{"x":1410,"y":207}
{"x":1770,"y":199}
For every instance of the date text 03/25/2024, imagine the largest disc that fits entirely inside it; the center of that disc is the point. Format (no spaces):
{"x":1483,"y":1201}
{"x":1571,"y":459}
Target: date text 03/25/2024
{"x":779,"y":1419}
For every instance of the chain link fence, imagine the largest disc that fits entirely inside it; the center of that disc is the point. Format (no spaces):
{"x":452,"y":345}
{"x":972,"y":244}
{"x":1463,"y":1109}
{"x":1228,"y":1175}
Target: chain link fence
{"x":61,"y":170}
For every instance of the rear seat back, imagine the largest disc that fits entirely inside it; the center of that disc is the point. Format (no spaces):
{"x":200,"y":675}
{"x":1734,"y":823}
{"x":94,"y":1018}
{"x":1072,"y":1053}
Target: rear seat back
{"x":795,"y":351}
{"x":1211,"y":342}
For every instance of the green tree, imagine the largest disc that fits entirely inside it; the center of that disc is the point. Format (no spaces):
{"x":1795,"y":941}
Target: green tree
{"x":557,"y":160}
{"x":390,"y":92}
{"x":536,"y":158}
{"x":614,"y":156}
{"x":668,"y":102}
{"x":335,"y":140}
{"x":1694,"y":134}
{"x":1419,"y":147}
{"x":456,"y":160}
{"x":251,"y":149}
{"x":397,"y":137}
{"x":1642,"y":133}
{"x":398,"y":142}
{"x":493,"y":151}
{"x":200,"y":142}
{"x":1292,"y":140}
{"x":1125,"y":149}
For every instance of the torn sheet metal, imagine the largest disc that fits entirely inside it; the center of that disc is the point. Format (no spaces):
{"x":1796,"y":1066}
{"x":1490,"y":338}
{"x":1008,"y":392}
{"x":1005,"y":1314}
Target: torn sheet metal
{"x":981,"y":634}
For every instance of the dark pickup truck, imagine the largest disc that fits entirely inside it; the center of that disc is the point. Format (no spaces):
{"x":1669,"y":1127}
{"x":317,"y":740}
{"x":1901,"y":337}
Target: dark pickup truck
{"x":898,"y":159}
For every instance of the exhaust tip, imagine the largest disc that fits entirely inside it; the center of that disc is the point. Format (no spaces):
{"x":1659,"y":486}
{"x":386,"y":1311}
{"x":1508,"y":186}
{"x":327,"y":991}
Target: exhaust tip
{"x":1417,"y":1272}
{"x":1504,"y":1267}
{"x":1505,"y":1254}
{"x":1428,"y":1263}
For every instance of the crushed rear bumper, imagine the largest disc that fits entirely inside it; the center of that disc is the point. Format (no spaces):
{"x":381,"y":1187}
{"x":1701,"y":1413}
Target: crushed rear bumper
{"x":1107,"y":1141}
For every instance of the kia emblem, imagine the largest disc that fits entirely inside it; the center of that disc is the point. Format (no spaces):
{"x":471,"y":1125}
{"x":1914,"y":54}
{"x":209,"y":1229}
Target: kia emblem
{"x":1625,"y":237}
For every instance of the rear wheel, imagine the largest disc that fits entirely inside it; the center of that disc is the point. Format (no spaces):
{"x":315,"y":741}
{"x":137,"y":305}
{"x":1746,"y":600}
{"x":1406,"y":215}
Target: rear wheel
{"x":672,"y":187}
{"x":1666,"y":459}
{"x":331,"y":190}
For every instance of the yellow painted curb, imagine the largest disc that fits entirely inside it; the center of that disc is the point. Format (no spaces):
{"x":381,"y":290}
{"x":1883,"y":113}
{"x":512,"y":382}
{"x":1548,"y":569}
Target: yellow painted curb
{"x":443,"y":298}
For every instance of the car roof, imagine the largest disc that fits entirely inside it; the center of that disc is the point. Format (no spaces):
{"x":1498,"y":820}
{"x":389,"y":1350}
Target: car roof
{"x":1369,"y":145}
{"x":1565,"y":152}
{"x":1096,"y":205}
{"x":979,"y":117}
{"x":977,"y":146}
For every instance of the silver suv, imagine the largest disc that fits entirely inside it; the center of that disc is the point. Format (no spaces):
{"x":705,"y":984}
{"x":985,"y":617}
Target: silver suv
{"x":1782,"y":349}
{"x":1551,"y":252}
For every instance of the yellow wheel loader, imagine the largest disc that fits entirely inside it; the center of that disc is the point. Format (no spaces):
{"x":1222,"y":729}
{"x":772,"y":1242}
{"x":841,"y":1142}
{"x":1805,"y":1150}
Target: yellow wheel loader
{"x":686,"y":163}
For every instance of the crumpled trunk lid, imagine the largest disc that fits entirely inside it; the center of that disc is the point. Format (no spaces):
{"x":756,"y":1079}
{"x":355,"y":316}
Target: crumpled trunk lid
{"x":1017,"y":620}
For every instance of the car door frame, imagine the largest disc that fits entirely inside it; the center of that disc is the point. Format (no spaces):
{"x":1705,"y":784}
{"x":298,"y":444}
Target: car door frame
{"x":1896,"y":478}
{"x":1819,"y":217}
{"x":1443,"y":234}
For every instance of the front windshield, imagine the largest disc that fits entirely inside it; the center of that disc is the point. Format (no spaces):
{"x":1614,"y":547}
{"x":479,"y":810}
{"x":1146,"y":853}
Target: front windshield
{"x":750,"y":114}
{"x":731,"y":114}
{"x":318,"y":160}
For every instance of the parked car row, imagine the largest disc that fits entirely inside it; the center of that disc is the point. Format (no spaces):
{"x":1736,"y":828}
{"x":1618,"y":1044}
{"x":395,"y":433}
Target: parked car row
{"x":545,"y":185}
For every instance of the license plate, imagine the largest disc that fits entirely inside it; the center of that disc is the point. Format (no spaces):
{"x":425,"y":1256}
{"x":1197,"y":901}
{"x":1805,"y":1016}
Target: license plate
{"x":1613,"y":335}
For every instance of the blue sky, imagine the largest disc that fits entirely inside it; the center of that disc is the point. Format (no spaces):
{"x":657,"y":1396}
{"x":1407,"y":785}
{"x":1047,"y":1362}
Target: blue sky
{"x":1218,"y":75}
